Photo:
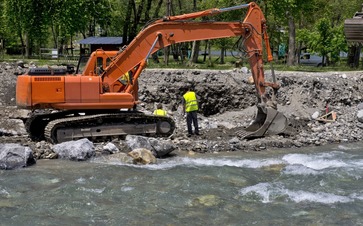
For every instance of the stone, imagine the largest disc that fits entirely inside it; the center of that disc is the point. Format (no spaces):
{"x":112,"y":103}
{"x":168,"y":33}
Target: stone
{"x":158,"y":147}
{"x":206,"y":200}
{"x":315,"y":115}
{"x":78,"y":150}
{"x":118,"y":157}
{"x":111,"y":148}
{"x":142,"y":156}
{"x":14,"y":156}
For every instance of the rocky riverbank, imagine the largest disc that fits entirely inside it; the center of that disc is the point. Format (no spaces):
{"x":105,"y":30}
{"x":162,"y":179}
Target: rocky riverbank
{"x":227,"y":102}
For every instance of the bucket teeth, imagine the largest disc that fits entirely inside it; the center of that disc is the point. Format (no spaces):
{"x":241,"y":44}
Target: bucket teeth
{"x":242,"y":134}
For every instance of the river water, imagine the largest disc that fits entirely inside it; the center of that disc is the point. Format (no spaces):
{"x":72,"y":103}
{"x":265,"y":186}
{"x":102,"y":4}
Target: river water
{"x":306,"y":186}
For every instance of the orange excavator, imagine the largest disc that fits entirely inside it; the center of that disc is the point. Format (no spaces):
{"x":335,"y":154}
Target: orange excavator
{"x":97,"y":103}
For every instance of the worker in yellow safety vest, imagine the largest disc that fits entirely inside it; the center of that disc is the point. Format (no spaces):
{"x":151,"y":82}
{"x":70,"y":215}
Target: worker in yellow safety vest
{"x":190,"y":106}
{"x":125,"y":78}
{"x":159,"y":110}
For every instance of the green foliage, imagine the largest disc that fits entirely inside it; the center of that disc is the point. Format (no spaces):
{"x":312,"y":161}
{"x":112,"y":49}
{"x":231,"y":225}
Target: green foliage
{"x":50,"y":23}
{"x":324,"y":39}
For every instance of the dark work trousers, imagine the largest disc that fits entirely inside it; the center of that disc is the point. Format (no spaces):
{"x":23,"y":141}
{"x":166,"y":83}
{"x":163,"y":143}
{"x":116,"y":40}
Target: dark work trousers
{"x":192,"y":117}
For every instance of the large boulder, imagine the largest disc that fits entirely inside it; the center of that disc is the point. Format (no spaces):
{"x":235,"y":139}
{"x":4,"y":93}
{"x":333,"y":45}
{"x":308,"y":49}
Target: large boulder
{"x":14,"y":156}
{"x":159,"y":148}
{"x":78,"y":150}
{"x":12,"y":127}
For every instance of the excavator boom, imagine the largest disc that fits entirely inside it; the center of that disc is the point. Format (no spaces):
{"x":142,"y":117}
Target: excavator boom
{"x":89,"y":103}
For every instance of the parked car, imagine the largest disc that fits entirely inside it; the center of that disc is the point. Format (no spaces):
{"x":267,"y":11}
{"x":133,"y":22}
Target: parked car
{"x":311,"y":60}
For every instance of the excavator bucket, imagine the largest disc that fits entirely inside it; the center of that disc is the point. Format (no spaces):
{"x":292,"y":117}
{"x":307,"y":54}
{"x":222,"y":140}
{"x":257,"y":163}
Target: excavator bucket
{"x":353,"y":29}
{"x":269,"y":123}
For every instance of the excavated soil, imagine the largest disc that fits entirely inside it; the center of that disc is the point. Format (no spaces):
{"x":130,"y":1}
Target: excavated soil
{"x":227,"y":103}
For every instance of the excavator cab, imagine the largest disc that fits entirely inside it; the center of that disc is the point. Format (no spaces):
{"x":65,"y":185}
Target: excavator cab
{"x":95,"y":63}
{"x":82,"y":64}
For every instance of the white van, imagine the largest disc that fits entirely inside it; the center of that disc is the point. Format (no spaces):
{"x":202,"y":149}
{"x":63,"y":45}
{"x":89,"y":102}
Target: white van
{"x":311,"y":60}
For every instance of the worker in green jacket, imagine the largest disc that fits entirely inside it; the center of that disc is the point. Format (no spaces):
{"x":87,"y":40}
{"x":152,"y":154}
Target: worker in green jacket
{"x":190,"y":106}
{"x":159,"y":110}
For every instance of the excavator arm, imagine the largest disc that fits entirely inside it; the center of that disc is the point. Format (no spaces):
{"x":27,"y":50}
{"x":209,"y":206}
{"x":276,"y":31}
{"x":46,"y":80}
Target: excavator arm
{"x":177,"y":29}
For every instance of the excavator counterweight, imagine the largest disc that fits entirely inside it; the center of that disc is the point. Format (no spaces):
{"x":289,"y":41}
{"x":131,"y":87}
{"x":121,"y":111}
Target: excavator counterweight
{"x":99,"y":101}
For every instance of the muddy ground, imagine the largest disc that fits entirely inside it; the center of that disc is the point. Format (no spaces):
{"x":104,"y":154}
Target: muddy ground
{"x":227,"y":103}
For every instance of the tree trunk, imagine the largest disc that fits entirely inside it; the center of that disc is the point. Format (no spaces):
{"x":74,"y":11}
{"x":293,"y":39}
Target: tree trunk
{"x":125,"y":30}
{"x":22,"y":43}
{"x":292,"y":35}
{"x":353,"y":56}
{"x":205,"y":50}
{"x":147,"y":10}
{"x":157,"y":9}
{"x":137,"y":18}
{"x":27,"y":50}
{"x":210,"y":62}
{"x":195,"y":49}
{"x":223,"y":53}
{"x":166,"y":49}
{"x":195,"y":52}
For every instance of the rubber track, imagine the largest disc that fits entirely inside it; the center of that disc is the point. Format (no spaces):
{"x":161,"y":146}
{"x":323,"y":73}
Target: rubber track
{"x":77,"y":121}
{"x":37,"y":122}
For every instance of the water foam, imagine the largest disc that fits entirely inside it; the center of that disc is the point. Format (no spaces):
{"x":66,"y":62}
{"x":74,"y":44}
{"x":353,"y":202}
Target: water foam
{"x":197,"y":162}
{"x":270,"y":192}
{"x":4,"y":192}
{"x":126,"y":188}
{"x":93,"y":190}
{"x":300,"y":170}
{"x":316,"y":161}
{"x":164,"y":164}
{"x":319,"y":197}
{"x":81,"y":180}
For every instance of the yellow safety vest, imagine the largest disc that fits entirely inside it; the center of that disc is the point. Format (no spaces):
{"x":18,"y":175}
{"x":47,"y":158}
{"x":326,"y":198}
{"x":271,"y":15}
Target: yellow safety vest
{"x":191,"y":103}
{"x":125,"y":79}
{"x":160,"y":112}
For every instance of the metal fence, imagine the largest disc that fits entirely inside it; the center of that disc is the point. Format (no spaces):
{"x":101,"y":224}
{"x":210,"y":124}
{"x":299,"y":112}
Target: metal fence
{"x":53,"y":54}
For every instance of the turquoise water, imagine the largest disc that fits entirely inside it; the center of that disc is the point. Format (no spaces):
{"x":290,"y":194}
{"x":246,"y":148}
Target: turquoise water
{"x":312,"y":186}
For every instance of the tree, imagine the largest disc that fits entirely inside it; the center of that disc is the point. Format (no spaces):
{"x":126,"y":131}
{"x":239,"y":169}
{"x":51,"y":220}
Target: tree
{"x":25,"y":21}
{"x":290,"y":13}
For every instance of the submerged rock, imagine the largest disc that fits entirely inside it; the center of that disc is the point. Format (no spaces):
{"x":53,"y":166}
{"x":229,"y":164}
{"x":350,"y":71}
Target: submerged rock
{"x":115,"y":158}
{"x":142,"y":156}
{"x":206,"y":200}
